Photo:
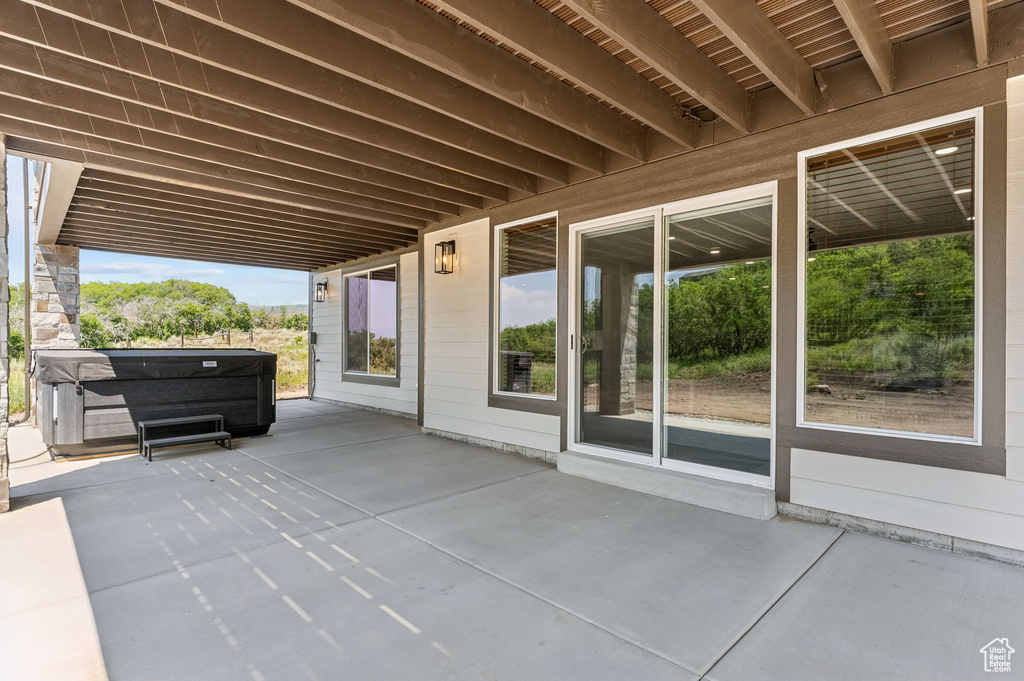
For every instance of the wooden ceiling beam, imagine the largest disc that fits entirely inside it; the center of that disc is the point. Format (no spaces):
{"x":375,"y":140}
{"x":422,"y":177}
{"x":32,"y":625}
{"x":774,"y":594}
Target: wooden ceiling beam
{"x":746,"y":25}
{"x":202,"y":237}
{"x":178,"y":242}
{"x":868,"y":31}
{"x":48,"y":65}
{"x":167,"y":26}
{"x":225,"y":214}
{"x":129,"y":121}
{"x":537,"y":33}
{"x":116,"y":246}
{"x":239,"y":206}
{"x":86,"y":200}
{"x":281,"y":27}
{"x":979,"y":25}
{"x":639,"y":28}
{"x":356,"y":111}
{"x":353,"y":176}
{"x":111,"y":243}
{"x":185,"y":181}
{"x":423,"y":35}
{"x":120,"y":157}
{"x":181,"y":152}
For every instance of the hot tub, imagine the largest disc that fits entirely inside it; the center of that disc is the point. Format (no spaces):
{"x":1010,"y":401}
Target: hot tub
{"x":92,"y":400}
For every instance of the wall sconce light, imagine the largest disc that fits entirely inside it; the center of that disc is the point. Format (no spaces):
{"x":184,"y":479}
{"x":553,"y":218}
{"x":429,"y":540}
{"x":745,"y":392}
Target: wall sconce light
{"x":321,"y":291}
{"x":444,"y":257}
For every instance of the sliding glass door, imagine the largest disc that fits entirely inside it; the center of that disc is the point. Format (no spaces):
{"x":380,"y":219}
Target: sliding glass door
{"x":673,"y":335}
{"x":616,"y":351}
{"x":718,"y":336}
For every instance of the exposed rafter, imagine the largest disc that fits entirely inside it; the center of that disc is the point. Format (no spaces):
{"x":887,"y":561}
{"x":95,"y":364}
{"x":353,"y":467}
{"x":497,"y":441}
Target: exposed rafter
{"x":312,"y":45}
{"x":244,"y":73}
{"x":173,"y":206}
{"x":97,"y":203}
{"x":155,"y":98}
{"x":979,"y":23}
{"x":424,"y":35}
{"x":49,"y":142}
{"x":86,"y":133}
{"x":205,"y":200}
{"x":361,"y":75}
{"x":868,"y":31}
{"x":198,"y":236}
{"x":750,"y":30}
{"x":636,"y":26}
{"x":368,"y":181}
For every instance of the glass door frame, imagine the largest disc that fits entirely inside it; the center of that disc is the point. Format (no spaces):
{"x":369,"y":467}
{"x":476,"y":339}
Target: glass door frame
{"x":657,"y":214}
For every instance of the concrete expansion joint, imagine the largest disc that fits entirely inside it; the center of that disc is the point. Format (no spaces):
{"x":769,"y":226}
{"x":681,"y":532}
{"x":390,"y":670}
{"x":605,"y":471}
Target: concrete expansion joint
{"x":775,"y":602}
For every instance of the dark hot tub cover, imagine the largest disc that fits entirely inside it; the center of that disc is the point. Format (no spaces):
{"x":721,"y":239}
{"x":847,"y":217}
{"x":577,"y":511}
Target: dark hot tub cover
{"x":78,"y":366}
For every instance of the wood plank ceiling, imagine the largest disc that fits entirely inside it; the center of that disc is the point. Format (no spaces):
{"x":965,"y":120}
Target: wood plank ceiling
{"x":304,"y":133}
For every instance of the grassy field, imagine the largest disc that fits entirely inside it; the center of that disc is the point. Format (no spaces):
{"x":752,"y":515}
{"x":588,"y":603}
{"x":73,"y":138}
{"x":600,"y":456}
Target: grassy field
{"x":289,"y":346}
{"x":16,"y":387}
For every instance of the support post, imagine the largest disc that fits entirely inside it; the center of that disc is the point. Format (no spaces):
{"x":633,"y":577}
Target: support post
{"x":55,"y":297}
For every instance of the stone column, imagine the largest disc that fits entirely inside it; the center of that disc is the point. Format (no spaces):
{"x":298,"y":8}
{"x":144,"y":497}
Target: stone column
{"x":55,"y":302}
{"x":5,"y":365}
{"x":620,"y":293}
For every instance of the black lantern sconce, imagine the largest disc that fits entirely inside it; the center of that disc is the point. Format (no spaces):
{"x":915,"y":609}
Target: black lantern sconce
{"x":444,"y":257}
{"x":321,"y":291}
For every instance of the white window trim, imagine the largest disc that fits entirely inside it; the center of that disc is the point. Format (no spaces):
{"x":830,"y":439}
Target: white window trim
{"x":344,"y":321}
{"x":801,"y":345}
{"x":496,"y":320}
{"x":658,"y":213}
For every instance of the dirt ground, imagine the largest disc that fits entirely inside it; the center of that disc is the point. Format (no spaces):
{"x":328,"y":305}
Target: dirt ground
{"x":747,"y":399}
{"x":732,"y":398}
{"x":294,"y":392}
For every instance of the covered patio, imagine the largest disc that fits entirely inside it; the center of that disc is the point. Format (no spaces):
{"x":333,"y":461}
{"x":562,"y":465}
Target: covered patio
{"x":349,"y":545}
{"x":525,"y":455}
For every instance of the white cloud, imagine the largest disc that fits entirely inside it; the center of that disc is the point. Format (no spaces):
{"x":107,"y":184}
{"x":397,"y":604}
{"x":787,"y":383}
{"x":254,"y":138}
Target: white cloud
{"x":130,"y":267}
{"x":521,"y":306}
{"x":211,"y":272}
{"x":145,"y":270}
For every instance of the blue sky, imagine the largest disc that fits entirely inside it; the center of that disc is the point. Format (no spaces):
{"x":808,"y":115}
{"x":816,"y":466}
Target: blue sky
{"x":253,"y":285}
{"x":528,"y":298}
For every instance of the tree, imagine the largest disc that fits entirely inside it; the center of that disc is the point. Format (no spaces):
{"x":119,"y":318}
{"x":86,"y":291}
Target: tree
{"x":193,"y":317}
{"x":261,"y":318}
{"x":94,"y":334}
{"x":296,"y":322}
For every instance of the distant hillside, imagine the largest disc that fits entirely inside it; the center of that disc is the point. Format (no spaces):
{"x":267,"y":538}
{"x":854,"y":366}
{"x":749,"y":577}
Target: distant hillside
{"x":276,"y":309}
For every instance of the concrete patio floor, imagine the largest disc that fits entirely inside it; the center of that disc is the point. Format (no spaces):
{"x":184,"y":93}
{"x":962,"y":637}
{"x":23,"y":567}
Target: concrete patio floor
{"x":348,"y":545}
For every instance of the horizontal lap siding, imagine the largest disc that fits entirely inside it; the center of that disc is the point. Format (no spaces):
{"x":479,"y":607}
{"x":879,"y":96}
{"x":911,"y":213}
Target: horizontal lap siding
{"x":1015,"y":281}
{"x":327,"y":322}
{"x":456,"y":354}
{"x":975,"y":506}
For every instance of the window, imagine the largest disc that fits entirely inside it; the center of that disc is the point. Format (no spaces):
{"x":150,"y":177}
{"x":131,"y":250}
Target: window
{"x":889,"y":285}
{"x":527,"y":304}
{"x":371,"y":322}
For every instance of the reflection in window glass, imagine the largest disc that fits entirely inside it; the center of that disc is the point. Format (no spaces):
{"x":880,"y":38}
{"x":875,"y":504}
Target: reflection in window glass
{"x":356,"y":300}
{"x":527,"y":307}
{"x":383,"y":321}
{"x":718,"y":326}
{"x":616,"y":351}
{"x":890,"y":284}
{"x":372,"y":322}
